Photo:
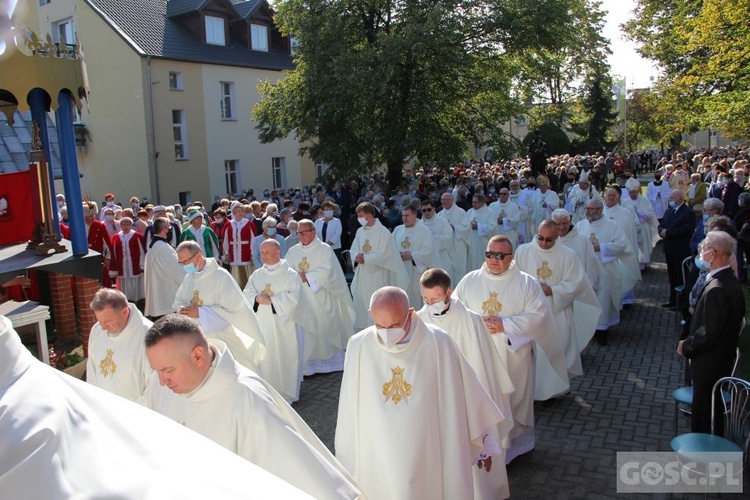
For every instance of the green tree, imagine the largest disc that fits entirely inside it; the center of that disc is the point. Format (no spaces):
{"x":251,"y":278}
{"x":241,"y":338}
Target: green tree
{"x":381,"y":81}
{"x":593,"y":115}
{"x":557,"y":140}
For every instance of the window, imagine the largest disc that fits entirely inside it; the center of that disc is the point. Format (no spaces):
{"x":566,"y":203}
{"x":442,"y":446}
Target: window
{"x":179,"y":129}
{"x":320,"y":169}
{"x":43,"y":2}
{"x":259,"y":37}
{"x":278,"y":169}
{"x":186,"y":198}
{"x":293,"y":44}
{"x":64,"y":32}
{"x":175,"y":80}
{"x":230,"y":176}
{"x":214,"y":30}
{"x":227,"y":101}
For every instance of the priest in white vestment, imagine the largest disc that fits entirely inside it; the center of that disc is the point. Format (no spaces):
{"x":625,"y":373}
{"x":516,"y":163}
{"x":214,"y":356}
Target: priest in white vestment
{"x":461,"y":225}
{"x":377,"y":262}
{"x":563,"y":279}
{"x":162,"y":272}
{"x":413,"y":417}
{"x":517,"y":315}
{"x":615,"y":252}
{"x":276,"y":294}
{"x":627,"y":221}
{"x":519,"y":197}
{"x":470,"y":333}
{"x":198,"y":383}
{"x":64,"y":438}
{"x":211,"y":296}
{"x":579,"y":197}
{"x":117,"y":355}
{"x":442,"y":235}
{"x":417,"y":250}
{"x":543,"y":202}
{"x":483,"y":227}
{"x":508,"y":216}
{"x":648,"y":231}
{"x":658,"y":193}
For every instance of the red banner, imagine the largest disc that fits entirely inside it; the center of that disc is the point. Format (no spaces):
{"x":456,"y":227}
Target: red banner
{"x":16,"y":208}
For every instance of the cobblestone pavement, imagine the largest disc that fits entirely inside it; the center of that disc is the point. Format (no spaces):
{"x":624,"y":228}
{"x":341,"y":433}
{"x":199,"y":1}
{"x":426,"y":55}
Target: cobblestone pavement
{"x":622,"y":403}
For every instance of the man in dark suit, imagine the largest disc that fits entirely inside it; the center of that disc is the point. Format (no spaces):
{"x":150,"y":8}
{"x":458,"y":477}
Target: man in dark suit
{"x":676,"y":228}
{"x":714,"y":329}
{"x":730,"y":194}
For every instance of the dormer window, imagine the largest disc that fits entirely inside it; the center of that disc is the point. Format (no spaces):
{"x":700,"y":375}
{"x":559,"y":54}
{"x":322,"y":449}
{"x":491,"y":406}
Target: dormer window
{"x":215,"y":30}
{"x":259,"y":37}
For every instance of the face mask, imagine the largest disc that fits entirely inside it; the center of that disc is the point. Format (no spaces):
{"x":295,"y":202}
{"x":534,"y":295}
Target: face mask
{"x":60,"y":204}
{"x":328,"y":214}
{"x":110,"y":203}
{"x":109,"y":217}
{"x":218,"y":220}
{"x":271,"y":231}
{"x":523,"y":185}
{"x":190,"y":268}
{"x":292,"y":233}
{"x":492,"y":190}
{"x":362,"y":221}
{"x":671,"y":204}
{"x":391,"y":336}
{"x":437,"y":308}
{"x":701,"y":264}
{"x":178,"y":210}
{"x":705,"y":218}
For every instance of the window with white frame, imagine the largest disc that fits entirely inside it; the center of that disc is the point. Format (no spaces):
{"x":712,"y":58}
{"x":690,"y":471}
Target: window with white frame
{"x":179,"y":130}
{"x":278,"y":169}
{"x":175,"y":80}
{"x":259,"y":35}
{"x":64,"y":32}
{"x":227,"y":101}
{"x":215,"y":30}
{"x":320,"y":169}
{"x":231,"y":176}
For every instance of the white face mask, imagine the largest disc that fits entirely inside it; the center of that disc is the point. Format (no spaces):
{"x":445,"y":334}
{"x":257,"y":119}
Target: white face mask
{"x":109,"y":217}
{"x":391,"y":336}
{"x":362,"y":221}
{"x":328,"y":214}
{"x":292,"y":233}
{"x":438,"y":307}
{"x":60,"y":204}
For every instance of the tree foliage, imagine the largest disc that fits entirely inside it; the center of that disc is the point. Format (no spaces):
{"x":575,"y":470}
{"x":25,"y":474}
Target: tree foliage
{"x":703,"y":47}
{"x":381,"y":81}
{"x":557,"y":140}
{"x":592,"y":115}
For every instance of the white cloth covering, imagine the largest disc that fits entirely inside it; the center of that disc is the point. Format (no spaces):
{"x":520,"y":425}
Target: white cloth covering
{"x":518,"y":299}
{"x":659,"y":197}
{"x":413,"y":418}
{"x":486,"y":228}
{"x":461,"y":225}
{"x":330,"y":322}
{"x":63,"y":438}
{"x":163,"y":276}
{"x":578,"y":199}
{"x":281,"y":325}
{"x":648,"y":231}
{"x":442,"y":236}
{"x":542,"y":205}
{"x":240,"y":411}
{"x":424,"y":255}
{"x":225,"y":313}
{"x":382,"y":267}
{"x":509,"y":217}
{"x":117,"y":362}
{"x":573,"y":303}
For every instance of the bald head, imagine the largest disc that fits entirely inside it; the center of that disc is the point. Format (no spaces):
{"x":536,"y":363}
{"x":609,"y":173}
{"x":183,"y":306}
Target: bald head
{"x":270,"y":252}
{"x":390,"y":297}
{"x":390,"y":311}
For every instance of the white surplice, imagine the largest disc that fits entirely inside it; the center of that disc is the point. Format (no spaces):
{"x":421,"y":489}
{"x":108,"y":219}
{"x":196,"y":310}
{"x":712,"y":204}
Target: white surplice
{"x":510,"y":215}
{"x":627,"y":221}
{"x":330,"y":324}
{"x":470,"y":333}
{"x":424,"y":255}
{"x":412,"y":418}
{"x":239,"y":410}
{"x":486,"y":228}
{"x":574,"y":304}
{"x":648,"y":231}
{"x":382,"y":267}
{"x":163,"y":276}
{"x":459,"y":221}
{"x":224,"y":313}
{"x":443,"y":237}
{"x":117,"y":362}
{"x":578,"y":199}
{"x":659,"y":197}
{"x":281,"y":326}
{"x":64,"y":438}
{"x":518,"y":299}
{"x":542,"y":205}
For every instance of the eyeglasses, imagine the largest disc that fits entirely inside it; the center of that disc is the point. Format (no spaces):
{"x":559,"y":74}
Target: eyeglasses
{"x":184,"y":263}
{"x":306,"y":231}
{"x":542,"y":238}
{"x":427,"y":209}
{"x":497,"y":255}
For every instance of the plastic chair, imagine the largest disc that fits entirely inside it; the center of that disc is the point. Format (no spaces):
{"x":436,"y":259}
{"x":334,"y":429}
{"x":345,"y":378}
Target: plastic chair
{"x":684,"y":395}
{"x":735,"y":410}
{"x":685,"y":267}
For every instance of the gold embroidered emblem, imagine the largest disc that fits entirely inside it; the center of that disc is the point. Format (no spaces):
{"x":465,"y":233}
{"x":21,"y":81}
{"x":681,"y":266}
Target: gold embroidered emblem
{"x":367,"y":248}
{"x":397,"y":389}
{"x":593,"y":239}
{"x":107,"y":367}
{"x":406,"y":244}
{"x":611,"y":218}
{"x":503,"y":214}
{"x":544,"y":273}
{"x":267,"y":290}
{"x":492,"y":305}
{"x":304,"y":266}
{"x":196,"y":300}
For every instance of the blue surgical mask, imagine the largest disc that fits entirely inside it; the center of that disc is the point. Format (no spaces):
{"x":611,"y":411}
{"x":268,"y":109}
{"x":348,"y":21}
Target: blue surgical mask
{"x":190,"y":268}
{"x":271,"y":231}
{"x":671,"y":204}
{"x":705,"y":217}
{"x":701,"y":264}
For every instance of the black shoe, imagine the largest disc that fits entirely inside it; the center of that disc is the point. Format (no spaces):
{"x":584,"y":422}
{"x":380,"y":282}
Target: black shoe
{"x":627,"y":307}
{"x":601,"y":337}
{"x":669,"y":305}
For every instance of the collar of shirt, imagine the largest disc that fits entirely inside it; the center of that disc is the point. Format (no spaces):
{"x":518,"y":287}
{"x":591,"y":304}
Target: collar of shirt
{"x":713,"y":273}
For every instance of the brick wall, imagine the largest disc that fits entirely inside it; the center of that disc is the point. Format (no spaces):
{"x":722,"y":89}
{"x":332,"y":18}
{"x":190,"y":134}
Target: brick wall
{"x":85,"y":289}
{"x":63,"y":308}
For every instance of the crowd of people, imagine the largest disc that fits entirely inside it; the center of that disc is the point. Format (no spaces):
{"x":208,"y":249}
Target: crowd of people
{"x":474,"y":290}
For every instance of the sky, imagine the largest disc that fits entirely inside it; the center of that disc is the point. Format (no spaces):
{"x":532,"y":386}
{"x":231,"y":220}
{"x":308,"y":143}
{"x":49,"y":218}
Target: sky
{"x":624,"y":60}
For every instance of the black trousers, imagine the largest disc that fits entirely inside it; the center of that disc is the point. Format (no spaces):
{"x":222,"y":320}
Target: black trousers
{"x":701,"y":408}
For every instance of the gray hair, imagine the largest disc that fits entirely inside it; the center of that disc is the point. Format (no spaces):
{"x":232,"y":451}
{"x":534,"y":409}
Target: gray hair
{"x":191,"y":246}
{"x":109,"y":297}
{"x":269,"y":222}
{"x":721,"y":242}
{"x":560,"y":213}
{"x":744,"y":199}
{"x":714,"y":204}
